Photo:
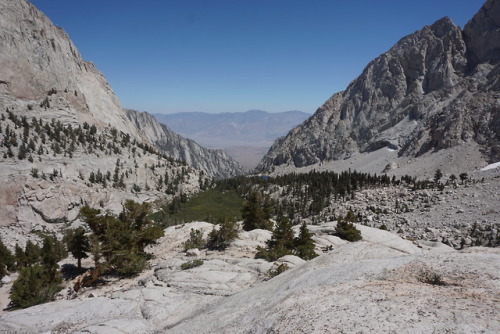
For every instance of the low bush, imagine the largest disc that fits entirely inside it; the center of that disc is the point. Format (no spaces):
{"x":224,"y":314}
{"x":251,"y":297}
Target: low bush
{"x":219,"y":239}
{"x":191,"y":264}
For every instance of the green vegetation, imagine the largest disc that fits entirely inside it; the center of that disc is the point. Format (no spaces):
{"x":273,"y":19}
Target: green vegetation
{"x":195,"y":240}
{"x":121,"y":240}
{"x":280,"y":269}
{"x":39,"y":277}
{"x":283,"y":243}
{"x":78,"y":244}
{"x":34,"y":286}
{"x":210,"y":206}
{"x":219,"y":239}
{"x":21,"y":139}
{"x":257,"y":212}
{"x":191,"y":264}
{"x":7,"y":260}
{"x":304,"y":244}
{"x":345,"y":228}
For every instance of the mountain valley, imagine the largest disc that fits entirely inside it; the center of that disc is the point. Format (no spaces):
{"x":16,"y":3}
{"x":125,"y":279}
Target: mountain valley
{"x":379,"y":213}
{"x":245,"y":136}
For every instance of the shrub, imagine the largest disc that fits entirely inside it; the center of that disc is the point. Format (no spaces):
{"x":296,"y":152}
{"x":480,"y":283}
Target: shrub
{"x":347,"y":231}
{"x":191,"y":264}
{"x":345,"y":228}
{"x":430,"y":277}
{"x":34,"y":286}
{"x":195,"y":240}
{"x":219,"y":239}
{"x":280,"y":269}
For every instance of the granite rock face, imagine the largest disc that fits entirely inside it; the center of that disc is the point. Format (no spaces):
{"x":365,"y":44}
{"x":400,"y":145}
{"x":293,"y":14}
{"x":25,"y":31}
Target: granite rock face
{"x":46,"y":88}
{"x":36,"y":56}
{"x":382,"y":284}
{"x":435,"y":89}
{"x":38,"y":61}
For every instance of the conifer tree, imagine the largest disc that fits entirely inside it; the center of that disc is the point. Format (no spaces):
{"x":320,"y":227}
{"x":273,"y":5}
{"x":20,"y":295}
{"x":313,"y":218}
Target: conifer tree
{"x":281,"y":242}
{"x":7,"y":260}
{"x":31,"y":253}
{"x":255,"y":214}
{"x":304,"y":244}
{"x":33,"y":287}
{"x":52,"y":252}
{"x":20,"y":257}
{"x":78,"y":244}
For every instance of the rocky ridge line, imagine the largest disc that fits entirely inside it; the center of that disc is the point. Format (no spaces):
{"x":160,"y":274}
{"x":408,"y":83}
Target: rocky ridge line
{"x":435,"y":89}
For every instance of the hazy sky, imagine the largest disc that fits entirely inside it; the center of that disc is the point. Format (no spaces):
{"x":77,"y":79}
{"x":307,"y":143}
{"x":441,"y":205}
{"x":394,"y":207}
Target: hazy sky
{"x":234,"y":55}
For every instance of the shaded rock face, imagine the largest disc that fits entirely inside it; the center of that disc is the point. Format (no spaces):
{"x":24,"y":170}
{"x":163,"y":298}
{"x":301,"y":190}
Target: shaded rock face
{"x":433,"y":90}
{"x":214,"y":163}
{"x":482,"y":34}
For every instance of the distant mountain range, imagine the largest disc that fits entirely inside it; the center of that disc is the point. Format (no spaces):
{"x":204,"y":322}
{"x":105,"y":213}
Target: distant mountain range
{"x":246,"y":136}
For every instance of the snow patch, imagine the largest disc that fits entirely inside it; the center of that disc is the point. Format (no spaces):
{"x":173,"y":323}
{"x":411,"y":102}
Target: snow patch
{"x":491,"y":166}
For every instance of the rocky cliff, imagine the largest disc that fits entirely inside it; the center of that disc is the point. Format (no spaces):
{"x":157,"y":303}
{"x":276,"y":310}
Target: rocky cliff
{"x":214,"y":163}
{"x":435,"y":89}
{"x":37,"y":57}
{"x":39,"y":62}
{"x":66,"y":142}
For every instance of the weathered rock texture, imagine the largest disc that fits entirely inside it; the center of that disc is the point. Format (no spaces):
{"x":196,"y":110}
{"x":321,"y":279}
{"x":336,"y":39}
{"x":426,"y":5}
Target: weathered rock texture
{"x":214,"y":163}
{"x":382,"y":284}
{"x":435,"y":89}
{"x":36,"y":56}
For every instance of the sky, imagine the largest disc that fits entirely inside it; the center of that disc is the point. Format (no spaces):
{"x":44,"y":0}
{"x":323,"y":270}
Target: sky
{"x":168,"y":56}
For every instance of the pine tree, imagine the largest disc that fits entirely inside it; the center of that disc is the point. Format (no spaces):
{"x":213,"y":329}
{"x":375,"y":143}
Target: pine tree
{"x":33,"y":287}
{"x":52,"y":252}
{"x":121,"y":240}
{"x":253,"y":213}
{"x":32,"y":253}
{"x":438,"y":175}
{"x":20,"y":257}
{"x":78,"y":244}
{"x":6,"y":258}
{"x":304,"y":244}
{"x":281,"y":242}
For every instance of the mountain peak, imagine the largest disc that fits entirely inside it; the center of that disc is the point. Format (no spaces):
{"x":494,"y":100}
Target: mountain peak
{"x":415,"y":99}
{"x":443,"y":26}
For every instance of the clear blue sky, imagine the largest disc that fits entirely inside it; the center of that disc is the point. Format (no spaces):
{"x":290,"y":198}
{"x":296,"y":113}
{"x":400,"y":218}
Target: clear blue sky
{"x":234,"y":55}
